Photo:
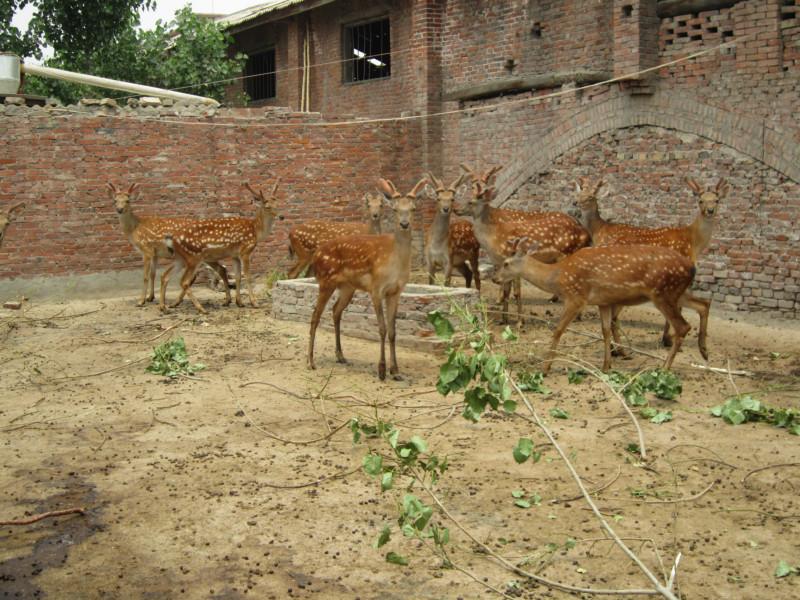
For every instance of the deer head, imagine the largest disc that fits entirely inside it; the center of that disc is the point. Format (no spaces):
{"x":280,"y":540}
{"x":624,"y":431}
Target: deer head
{"x":708,"y":200}
{"x":445,"y":195}
{"x":588,"y":194}
{"x":512,"y":266}
{"x":269,"y":206}
{"x":7,"y":217}
{"x":121,"y":198}
{"x":403,"y":206}
{"x":374,"y":206}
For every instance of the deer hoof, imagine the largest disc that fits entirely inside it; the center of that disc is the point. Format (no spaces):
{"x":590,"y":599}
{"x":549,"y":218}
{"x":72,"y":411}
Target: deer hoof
{"x":382,"y":371}
{"x":239,"y":303}
{"x":254,"y":304}
{"x":341,"y":360}
{"x":666,"y":341}
{"x":704,"y":352}
{"x":140,"y":303}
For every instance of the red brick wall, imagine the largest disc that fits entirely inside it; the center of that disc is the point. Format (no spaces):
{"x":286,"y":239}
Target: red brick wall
{"x":59,"y":165}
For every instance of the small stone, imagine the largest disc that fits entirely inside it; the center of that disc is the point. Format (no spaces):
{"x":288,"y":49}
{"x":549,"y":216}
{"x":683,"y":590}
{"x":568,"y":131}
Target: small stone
{"x":12,"y":305}
{"x":17,"y":100}
{"x":89,"y":102}
{"x":146,"y":101}
{"x":133,"y":102}
{"x":109,"y":102}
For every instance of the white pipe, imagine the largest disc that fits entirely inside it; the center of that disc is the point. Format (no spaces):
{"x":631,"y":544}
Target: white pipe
{"x":112,"y":84}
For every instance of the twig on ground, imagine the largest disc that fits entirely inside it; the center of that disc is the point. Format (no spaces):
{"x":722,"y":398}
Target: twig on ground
{"x":675,"y":500}
{"x":719,"y":458}
{"x":594,"y":491}
{"x":148,"y":340}
{"x":119,"y":368}
{"x":310,"y":483}
{"x":760,"y":512}
{"x":277,"y":387}
{"x":722,"y":371}
{"x":286,"y":440}
{"x":47,"y":515}
{"x":768,"y":467}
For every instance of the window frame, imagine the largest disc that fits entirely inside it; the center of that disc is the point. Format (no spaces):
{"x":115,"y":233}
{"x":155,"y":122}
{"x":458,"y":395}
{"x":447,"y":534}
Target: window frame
{"x":264,"y":50}
{"x":348,"y":62}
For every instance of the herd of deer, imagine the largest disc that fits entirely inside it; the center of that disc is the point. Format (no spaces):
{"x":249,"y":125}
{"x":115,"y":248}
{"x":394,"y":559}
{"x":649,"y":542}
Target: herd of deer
{"x":625,"y":265}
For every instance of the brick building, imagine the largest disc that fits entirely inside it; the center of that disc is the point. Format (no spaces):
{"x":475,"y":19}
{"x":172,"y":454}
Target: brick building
{"x":492,"y":67}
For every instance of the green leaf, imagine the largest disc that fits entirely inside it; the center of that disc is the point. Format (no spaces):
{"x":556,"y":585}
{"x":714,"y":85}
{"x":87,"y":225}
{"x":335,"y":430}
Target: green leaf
{"x":387,"y":479}
{"x":355,"y":429}
{"x":509,"y":335}
{"x":509,"y":406}
{"x":518,"y":493}
{"x":373,"y":464}
{"x":396,"y":559}
{"x":570,"y":544}
{"x":576,"y":375}
{"x":783,"y":569}
{"x":448,"y":373}
{"x":419,"y":444}
{"x":661,"y":417}
{"x":522,"y":451}
{"x":385,"y":535}
{"x":522,"y":503}
{"x":535,"y":498}
{"x":558,"y":413}
{"x":393,"y":437}
{"x":441,"y":325}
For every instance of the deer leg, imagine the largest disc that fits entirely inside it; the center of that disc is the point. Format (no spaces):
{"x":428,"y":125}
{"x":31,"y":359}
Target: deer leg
{"x":666,"y":338}
{"x":296,"y":269}
{"x":151,"y":291}
{"x":473,"y":263}
{"x":186,"y":285}
{"x":246,"y":269}
{"x":322,"y":300}
{"x":222,"y":273}
{"x":345,"y":296}
{"x":570,"y":310}
{"x":448,"y":273}
{"x":162,"y":303}
{"x":391,"y":316}
{"x":147,"y":267}
{"x":377,"y":303}
{"x":605,"y":324}
{"x":431,"y":267}
{"x":466,"y":272}
{"x":504,"y":301}
{"x":237,"y":270}
{"x":672,"y":312}
{"x":702,"y":307}
{"x":618,"y":350}
{"x":518,"y":296}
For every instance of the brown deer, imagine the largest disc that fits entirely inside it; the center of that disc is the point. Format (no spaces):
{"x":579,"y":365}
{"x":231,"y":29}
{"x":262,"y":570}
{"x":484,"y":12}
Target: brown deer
{"x":304,"y":239}
{"x":557,"y":234}
{"x":607,"y":277}
{"x":377,"y":264}
{"x":688,"y":241}
{"x":6,"y":218}
{"x":450,"y":244}
{"x":214,"y":239}
{"x":147,"y":236}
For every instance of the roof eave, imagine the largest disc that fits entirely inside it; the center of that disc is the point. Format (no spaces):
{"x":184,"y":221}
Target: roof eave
{"x":277,"y":15}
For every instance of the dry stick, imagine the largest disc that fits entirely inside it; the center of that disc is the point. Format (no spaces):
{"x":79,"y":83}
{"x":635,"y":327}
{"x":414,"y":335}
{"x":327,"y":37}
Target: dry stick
{"x":286,"y":440}
{"x":594,"y":491}
{"x":310,"y":483}
{"x":719,"y":458}
{"x":537,"y":421}
{"x":760,"y":512}
{"x":537,"y":578}
{"x":125,"y":366}
{"x":676,"y":500}
{"x":277,"y":387}
{"x":759,"y":469}
{"x":152,"y":339}
{"x":723,"y":371}
{"x":47,"y":515}
{"x":440,"y":424}
{"x":58,"y":315}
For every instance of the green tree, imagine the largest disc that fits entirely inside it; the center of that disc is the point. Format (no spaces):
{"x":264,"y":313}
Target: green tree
{"x":70,"y":27}
{"x":190,"y":53}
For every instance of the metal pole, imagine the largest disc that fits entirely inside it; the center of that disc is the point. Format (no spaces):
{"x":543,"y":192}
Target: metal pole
{"x":113,"y":84}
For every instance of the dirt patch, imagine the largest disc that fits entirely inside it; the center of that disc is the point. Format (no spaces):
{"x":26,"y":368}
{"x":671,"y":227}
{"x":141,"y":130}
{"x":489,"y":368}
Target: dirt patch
{"x":205,"y":488}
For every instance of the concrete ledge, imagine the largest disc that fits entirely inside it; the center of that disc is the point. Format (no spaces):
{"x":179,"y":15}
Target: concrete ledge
{"x":294,"y":300}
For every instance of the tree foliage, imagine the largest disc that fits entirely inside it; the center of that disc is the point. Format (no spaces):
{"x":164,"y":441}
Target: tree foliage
{"x":185,"y":53}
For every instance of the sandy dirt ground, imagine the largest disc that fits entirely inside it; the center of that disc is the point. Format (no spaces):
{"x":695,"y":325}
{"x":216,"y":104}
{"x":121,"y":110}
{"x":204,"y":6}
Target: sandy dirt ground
{"x":229,"y":485}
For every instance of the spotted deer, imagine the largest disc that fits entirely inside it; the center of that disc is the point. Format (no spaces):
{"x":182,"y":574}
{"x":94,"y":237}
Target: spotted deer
{"x":557,"y":234}
{"x":450,"y":244}
{"x":147,"y":236}
{"x":607,"y":277}
{"x":8,"y":217}
{"x":689,"y":241}
{"x":377,"y":264}
{"x":209,"y":240}
{"x":304,"y":239}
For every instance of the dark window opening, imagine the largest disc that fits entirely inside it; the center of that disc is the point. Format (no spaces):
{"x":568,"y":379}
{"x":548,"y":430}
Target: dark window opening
{"x":367,"y":51}
{"x":260,"y":71}
{"x":712,"y":30}
{"x":536,"y":30}
{"x":627,"y":10}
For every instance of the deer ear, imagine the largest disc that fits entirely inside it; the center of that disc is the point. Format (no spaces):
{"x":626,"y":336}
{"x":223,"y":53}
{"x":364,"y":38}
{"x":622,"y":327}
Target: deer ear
{"x":578,"y":185}
{"x":133,"y":188}
{"x":722,"y":188}
{"x":604,"y":193}
{"x":112,"y":188}
{"x":18,"y":206}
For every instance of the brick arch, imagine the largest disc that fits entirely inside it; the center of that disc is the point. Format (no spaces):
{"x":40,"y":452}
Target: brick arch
{"x":751,"y":136}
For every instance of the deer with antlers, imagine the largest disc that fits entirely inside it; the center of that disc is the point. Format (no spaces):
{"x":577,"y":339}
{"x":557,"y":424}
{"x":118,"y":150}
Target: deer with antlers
{"x":607,"y":277}
{"x":147,"y":236}
{"x":688,"y":241}
{"x":377,"y":264}
{"x":306,"y":238}
{"x":208,"y":240}
{"x":557,"y":234}
{"x":450,"y":244}
{"x":8,"y":217}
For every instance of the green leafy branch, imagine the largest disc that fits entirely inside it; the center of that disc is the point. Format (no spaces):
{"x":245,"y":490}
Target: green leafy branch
{"x":744,"y":408}
{"x":171,"y":360}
